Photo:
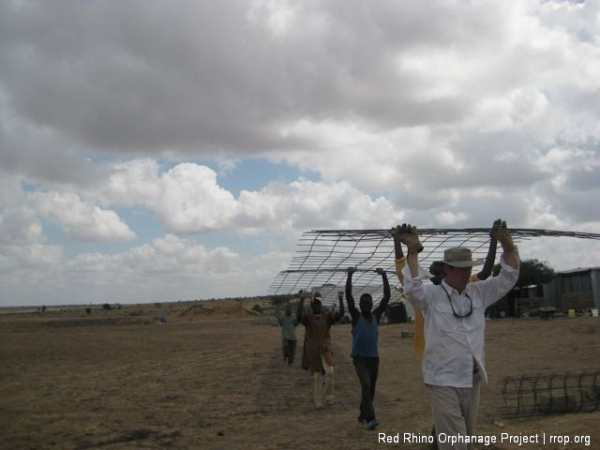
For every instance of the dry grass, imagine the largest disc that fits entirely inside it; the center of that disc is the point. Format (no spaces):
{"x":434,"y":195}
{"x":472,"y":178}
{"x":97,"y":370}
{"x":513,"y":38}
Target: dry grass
{"x":216,"y":380}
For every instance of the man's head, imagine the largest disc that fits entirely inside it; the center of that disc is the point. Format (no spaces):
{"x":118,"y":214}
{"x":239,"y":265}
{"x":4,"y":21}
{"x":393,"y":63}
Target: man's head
{"x":458,"y":263}
{"x":436,"y":269}
{"x":288,"y":310}
{"x":457,"y":277}
{"x":316,"y":303}
{"x":365,"y":303}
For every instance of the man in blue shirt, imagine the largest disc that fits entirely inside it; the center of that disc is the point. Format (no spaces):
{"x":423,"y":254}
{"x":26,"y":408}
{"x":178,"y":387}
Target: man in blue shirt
{"x":365,"y":353}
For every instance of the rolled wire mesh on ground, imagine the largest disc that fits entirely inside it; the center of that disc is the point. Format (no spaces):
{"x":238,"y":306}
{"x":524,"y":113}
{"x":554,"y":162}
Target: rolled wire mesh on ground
{"x":322,"y":256}
{"x":527,"y":395}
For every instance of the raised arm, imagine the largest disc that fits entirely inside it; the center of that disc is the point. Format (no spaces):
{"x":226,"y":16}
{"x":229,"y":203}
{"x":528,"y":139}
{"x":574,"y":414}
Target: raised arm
{"x":386,"y":294}
{"x":342,"y":311}
{"x":408,"y":235}
{"x":349,"y":298}
{"x":300,"y":309}
{"x":488,"y":265}
{"x":400,"y":261}
{"x":510,"y":253}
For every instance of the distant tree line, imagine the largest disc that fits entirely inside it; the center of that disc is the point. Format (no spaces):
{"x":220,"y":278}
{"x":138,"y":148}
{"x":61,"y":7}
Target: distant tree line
{"x":532,"y":272}
{"x":281,"y":299}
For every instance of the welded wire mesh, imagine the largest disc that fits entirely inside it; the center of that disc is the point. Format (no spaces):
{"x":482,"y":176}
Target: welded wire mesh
{"x":527,"y":395}
{"x":322,"y":256}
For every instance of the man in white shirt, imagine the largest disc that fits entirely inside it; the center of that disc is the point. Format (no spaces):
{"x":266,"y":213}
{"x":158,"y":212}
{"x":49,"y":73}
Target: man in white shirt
{"x":454,"y":313}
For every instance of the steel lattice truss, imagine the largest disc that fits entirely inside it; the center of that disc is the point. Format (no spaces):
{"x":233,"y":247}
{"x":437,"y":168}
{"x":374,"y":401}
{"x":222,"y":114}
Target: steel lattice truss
{"x":322,"y":256}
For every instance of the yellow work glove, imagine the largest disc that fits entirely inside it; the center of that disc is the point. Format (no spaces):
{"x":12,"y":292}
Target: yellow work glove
{"x":408,"y":235}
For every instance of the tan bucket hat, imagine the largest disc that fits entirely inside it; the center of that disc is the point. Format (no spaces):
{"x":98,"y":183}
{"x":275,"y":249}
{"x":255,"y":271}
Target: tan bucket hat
{"x":460,"y":257}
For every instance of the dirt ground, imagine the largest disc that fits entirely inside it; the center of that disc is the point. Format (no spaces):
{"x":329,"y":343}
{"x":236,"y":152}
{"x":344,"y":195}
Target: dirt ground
{"x":214,"y":378}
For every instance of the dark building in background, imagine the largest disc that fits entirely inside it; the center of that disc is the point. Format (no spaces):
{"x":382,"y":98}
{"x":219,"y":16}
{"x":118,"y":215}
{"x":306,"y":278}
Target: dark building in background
{"x":577,"y":289}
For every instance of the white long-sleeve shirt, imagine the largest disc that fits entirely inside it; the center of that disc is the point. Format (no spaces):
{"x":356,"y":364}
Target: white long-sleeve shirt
{"x":454,"y":344}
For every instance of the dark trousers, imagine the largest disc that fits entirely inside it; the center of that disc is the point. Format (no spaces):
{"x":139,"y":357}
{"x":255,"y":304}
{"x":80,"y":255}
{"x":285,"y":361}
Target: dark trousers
{"x":289,"y":350}
{"x":367,"y":370}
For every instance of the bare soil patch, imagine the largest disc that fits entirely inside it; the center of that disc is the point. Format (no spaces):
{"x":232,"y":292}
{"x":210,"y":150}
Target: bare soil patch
{"x":215,"y":379}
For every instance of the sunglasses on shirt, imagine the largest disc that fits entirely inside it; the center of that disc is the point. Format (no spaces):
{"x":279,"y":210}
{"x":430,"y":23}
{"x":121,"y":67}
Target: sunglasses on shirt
{"x":452,"y":306}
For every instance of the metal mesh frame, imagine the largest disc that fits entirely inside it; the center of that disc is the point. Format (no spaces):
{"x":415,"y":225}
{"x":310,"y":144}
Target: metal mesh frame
{"x":539,"y":394}
{"x":322,"y":256}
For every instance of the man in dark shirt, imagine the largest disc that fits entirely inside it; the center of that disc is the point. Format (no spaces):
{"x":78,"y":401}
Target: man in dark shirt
{"x":365,"y":353}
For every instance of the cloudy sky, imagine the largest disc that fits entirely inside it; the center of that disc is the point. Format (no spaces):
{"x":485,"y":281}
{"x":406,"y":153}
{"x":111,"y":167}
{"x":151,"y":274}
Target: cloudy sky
{"x":171,"y":150}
